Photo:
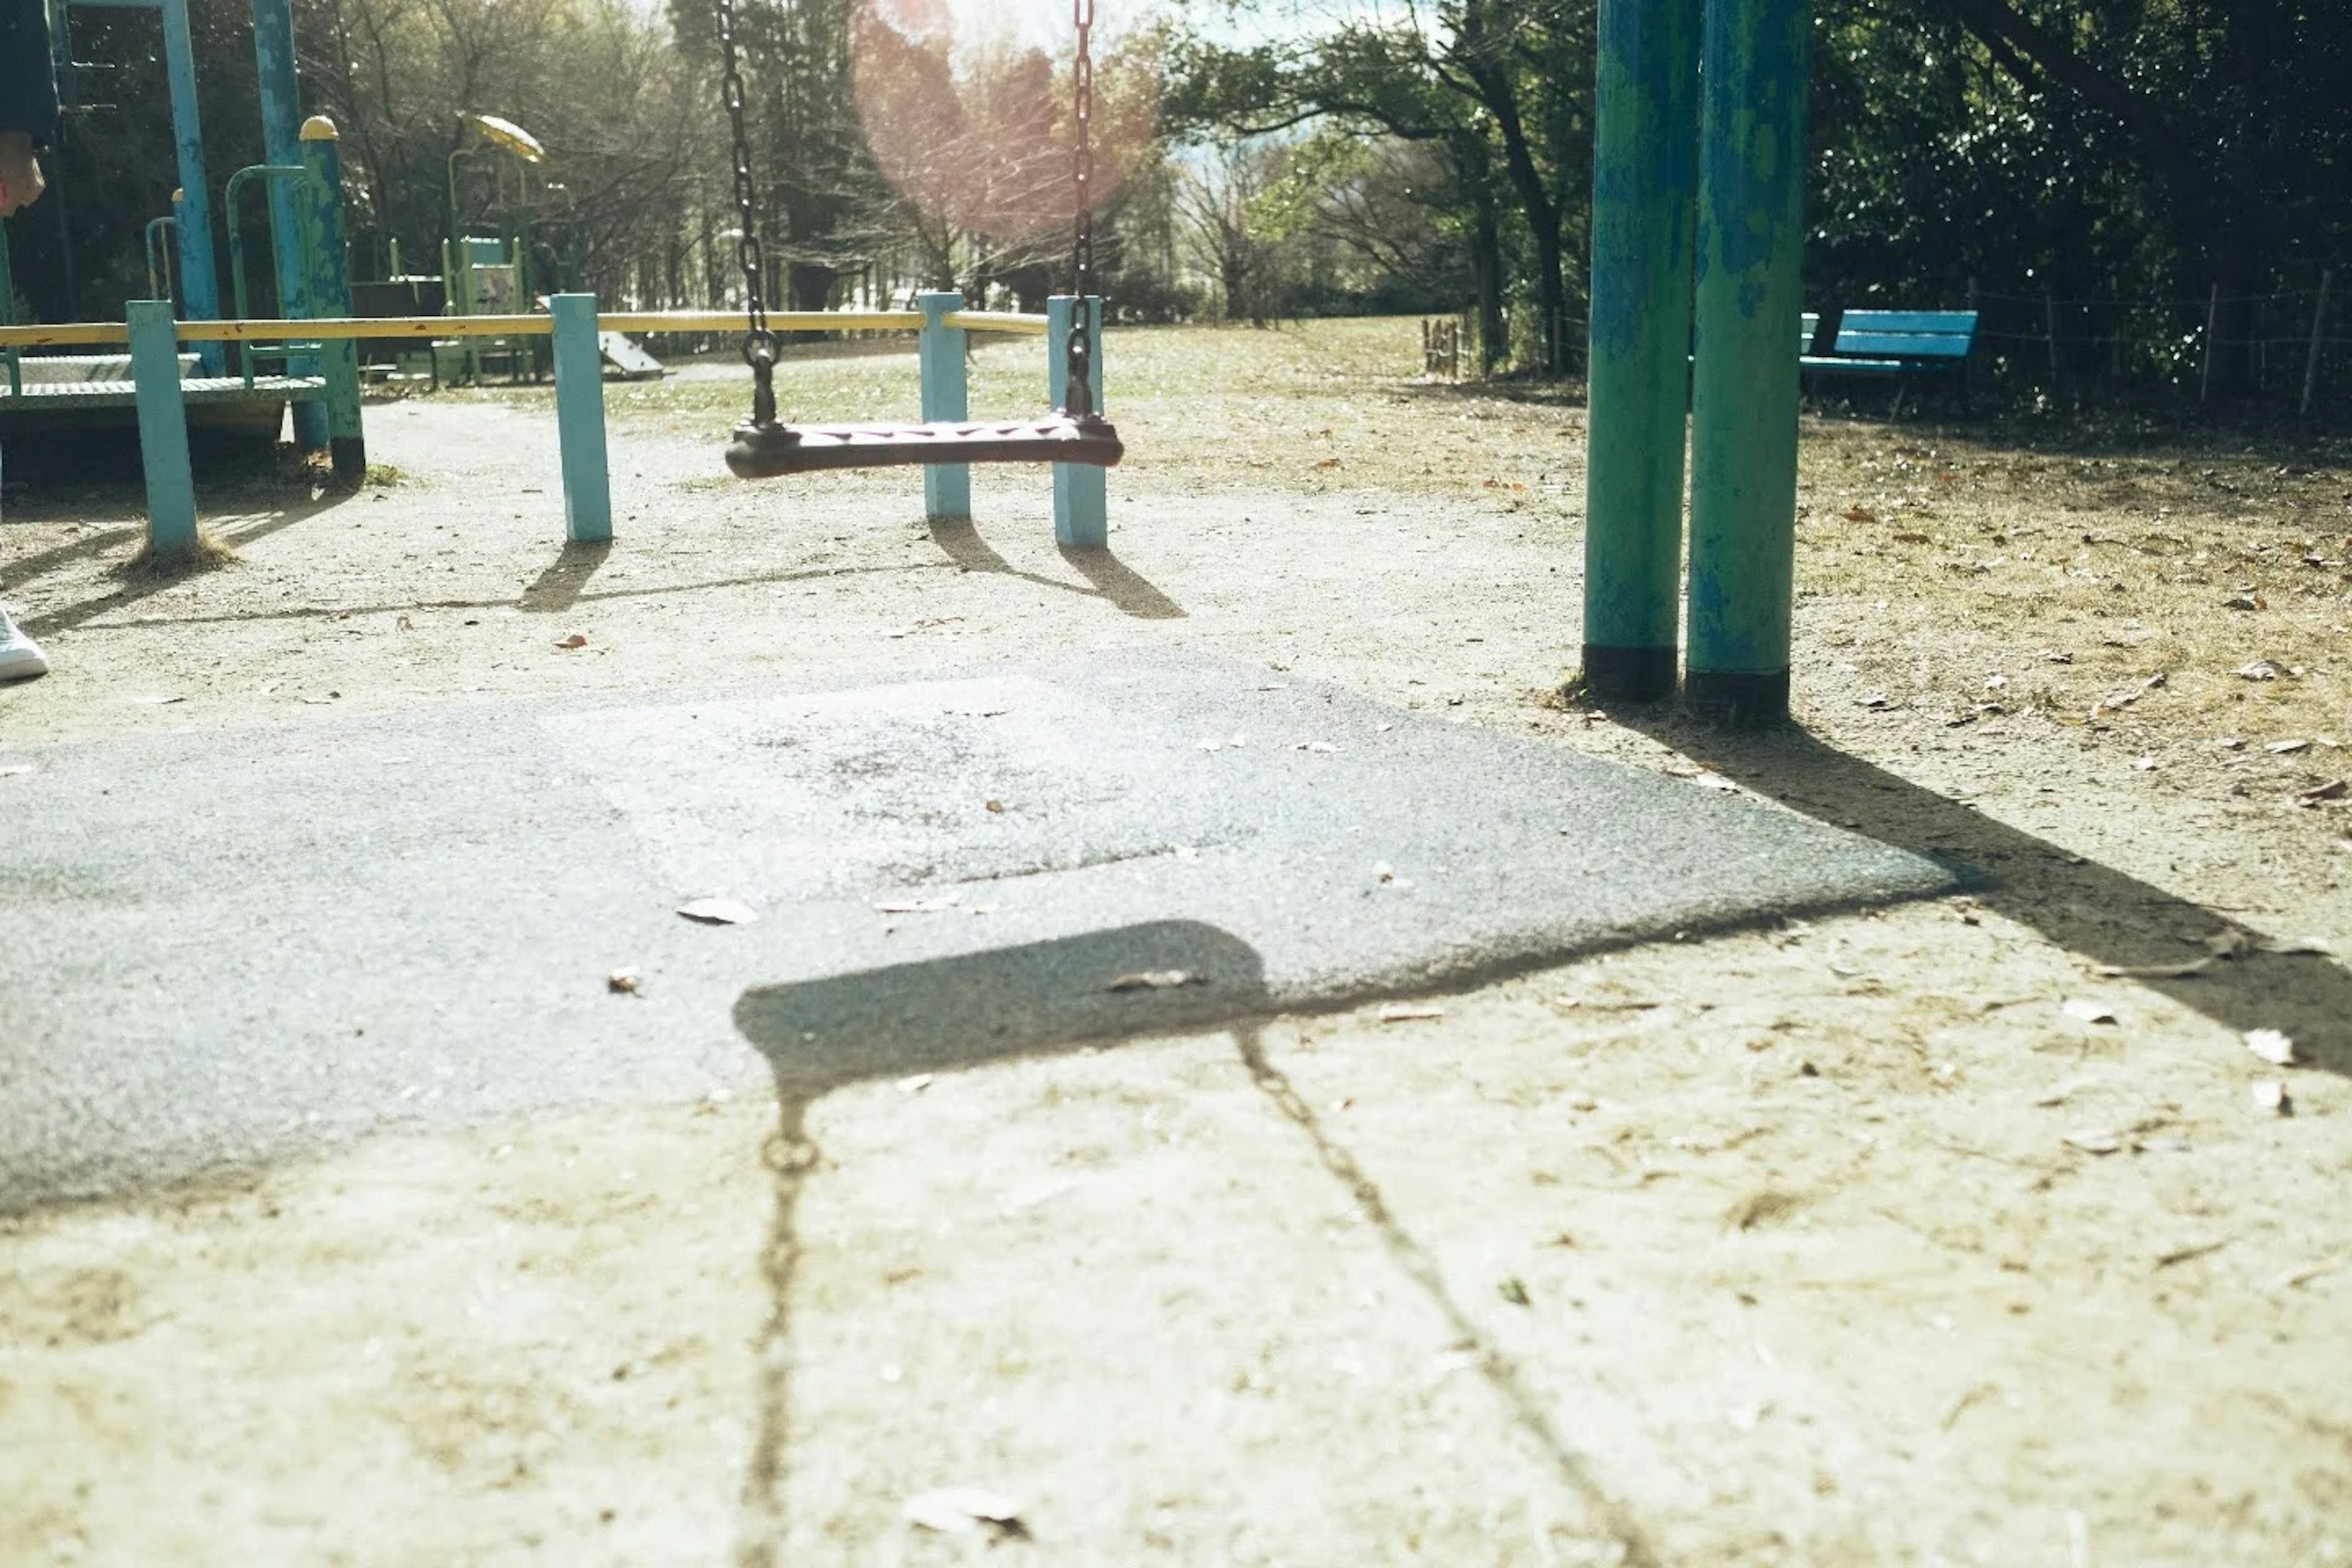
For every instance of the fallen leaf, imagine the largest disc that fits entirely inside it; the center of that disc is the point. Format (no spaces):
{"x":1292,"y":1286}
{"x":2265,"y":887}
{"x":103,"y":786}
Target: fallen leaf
{"x":2270,"y":1095}
{"x":2259,"y":670}
{"x":1401,"y":1015}
{"x":1158,"y":980}
{"x":574,"y":640}
{"x":720,"y":913}
{"x":1334,"y":462}
{"x":2286,"y":748}
{"x":997,"y":807}
{"x":2088,"y":1011}
{"x":2245,"y":602}
{"x":2183,"y":1253}
{"x":2272,"y":1046}
{"x":1909,"y":538}
{"x":623,"y":982}
{"x":404,"y":623}
{"x":2302,"y":947}
{"x":1859,"y":514}
{"x":2155,"y":970}
{"x":2309,"y":1272}
{"x":2335,"y":789}
{"x":965,"y":1510}
{"x":939,"y":905}
{"x":2228,"y":942}
{"x":2096,"y":1142}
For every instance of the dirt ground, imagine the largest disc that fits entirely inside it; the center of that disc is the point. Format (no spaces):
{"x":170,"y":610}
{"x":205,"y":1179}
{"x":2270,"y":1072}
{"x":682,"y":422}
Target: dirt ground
{"x":1922,"y":1236}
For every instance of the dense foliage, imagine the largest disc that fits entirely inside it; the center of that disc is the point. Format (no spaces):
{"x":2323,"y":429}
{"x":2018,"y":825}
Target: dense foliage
{"x":2098,"y":173}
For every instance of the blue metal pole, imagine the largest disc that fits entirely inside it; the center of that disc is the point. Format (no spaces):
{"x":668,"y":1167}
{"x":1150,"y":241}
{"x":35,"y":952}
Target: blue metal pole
{"x":1743,"y":414}
{"x":580,"y":420}
{"x":327,"y":249}
{"x":947,"y":486}
{"x":1644,"y":190}
{"x":163,"y":426}
{"x":199,"y":271}
{"x":1081,"y":502}
{"x":281,"y":121}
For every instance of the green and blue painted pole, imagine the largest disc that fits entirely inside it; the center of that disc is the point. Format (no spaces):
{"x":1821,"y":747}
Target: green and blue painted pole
{"x":1752,"y":235}
{"x":1081,"y":495}
{"x":163,"y":426}
{"x":199,"y":271}
{"x":580,"y":420}
{"x":1645,"y":192}
{"x":326,"y":254}
{"x":281,"y":121}
{"x":947,"y":395}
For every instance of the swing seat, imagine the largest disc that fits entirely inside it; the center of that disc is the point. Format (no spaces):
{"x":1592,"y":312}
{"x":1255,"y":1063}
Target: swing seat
{"x":765,"y":451}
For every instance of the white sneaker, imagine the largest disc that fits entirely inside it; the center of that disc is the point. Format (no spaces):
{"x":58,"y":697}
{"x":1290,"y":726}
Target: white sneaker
{"x":20,"y":656}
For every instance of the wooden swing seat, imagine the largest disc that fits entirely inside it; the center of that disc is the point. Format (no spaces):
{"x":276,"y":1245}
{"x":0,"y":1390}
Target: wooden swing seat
{"x":765,"y":451}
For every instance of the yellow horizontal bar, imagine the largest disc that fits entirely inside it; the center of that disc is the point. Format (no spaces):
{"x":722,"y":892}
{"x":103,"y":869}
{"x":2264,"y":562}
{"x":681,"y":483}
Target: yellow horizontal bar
{"x":997,"y":322}
{"x":66,"y":334}
{"x":84,"y":335}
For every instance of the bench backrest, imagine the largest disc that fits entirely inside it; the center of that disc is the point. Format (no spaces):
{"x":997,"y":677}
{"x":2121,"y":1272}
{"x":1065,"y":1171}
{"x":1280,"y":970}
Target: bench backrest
{"x":1908,"y":334}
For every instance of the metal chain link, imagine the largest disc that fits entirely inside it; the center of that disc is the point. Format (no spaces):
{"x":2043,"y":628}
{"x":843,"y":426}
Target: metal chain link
{"x":1081,"y":392}
{"x":759,"y":343}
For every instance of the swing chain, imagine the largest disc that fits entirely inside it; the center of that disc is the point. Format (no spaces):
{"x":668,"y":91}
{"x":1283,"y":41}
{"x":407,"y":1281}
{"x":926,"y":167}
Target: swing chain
{"x":759,"y":343}
{"x":1080,"y":364}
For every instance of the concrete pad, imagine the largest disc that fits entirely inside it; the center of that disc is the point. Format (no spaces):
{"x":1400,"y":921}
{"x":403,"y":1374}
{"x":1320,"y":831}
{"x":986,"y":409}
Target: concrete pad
{"x":226,"y":948}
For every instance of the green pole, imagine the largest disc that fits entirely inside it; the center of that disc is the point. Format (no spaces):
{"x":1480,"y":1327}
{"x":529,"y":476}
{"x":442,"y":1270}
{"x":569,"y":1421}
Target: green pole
{"x":1645,"y":189}
{"x":327,"y":261}
{"x":1751,"y":236}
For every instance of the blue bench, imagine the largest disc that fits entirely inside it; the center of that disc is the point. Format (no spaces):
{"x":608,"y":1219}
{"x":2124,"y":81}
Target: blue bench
{"x":1903,"y":346}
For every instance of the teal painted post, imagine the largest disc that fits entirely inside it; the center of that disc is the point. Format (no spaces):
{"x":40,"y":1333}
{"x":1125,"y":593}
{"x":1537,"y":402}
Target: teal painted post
{"x":326,"y":256}
{"x":281,"y":119}
{"x":1744,"y":412}
{"x":1645,"y":192}
{"x":580,"y":420}
{"x":199,"y":272}
{"x":162,"y":427}
{"x":1081,"y":497}
{"x":947,"y":486}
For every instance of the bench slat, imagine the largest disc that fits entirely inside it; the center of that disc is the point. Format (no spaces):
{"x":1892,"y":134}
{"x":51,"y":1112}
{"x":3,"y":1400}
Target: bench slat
{"x":1853,"y":366}
{"x":1961,"y":321}
{"x":1910,"y":345}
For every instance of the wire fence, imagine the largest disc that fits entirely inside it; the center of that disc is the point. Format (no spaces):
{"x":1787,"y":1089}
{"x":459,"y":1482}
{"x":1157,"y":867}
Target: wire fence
{"x":2290,"y":346}
{"x":2286,"y":345}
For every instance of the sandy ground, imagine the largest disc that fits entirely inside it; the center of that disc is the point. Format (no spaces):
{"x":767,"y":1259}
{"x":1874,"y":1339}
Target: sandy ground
{"x":1846,"y":1243}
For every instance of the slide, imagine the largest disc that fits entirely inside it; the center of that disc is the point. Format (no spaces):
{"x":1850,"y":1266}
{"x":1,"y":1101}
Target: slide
{"x":626,"y":354}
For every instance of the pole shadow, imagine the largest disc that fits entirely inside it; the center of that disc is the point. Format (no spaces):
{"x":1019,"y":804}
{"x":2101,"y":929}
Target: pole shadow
{"x":559,"y":587}
{"x":1102,"y":987}
{"x":133,"y":585}
{"x":2095,"y":911}
{"x":1108,"y":577}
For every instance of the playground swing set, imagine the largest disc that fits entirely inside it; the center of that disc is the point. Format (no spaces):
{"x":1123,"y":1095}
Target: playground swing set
{"x":318,"y":334}
{"x":1698,"y":230}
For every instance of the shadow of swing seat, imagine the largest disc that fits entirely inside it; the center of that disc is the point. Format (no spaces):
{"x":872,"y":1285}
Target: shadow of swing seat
{"x":940,"y":1015}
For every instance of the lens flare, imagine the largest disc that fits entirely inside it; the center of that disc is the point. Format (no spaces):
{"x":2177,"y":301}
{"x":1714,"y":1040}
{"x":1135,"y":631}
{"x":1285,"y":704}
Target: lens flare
{"x":968,"y":109}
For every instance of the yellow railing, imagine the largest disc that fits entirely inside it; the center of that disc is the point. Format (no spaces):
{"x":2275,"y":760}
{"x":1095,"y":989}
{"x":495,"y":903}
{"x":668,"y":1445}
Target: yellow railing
{"x":114,"y":335}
